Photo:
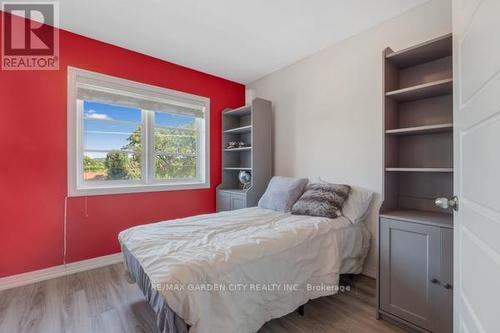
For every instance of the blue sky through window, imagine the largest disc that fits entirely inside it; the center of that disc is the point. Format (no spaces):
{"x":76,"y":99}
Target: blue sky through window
{"x":172,"y":120}
{"x":101,"y":133}
{"x":96,"y":110}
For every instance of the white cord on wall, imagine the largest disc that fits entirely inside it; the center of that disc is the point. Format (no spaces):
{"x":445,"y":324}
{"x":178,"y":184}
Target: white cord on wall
{"x":65,"y":225}
{"x":86,"y":207}
{"x":64,"y":228}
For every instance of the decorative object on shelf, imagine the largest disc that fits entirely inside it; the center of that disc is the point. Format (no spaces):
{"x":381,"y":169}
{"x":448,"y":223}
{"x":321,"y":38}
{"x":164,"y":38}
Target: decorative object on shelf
{"x":236,"y":144}
{"x":245,"y":179}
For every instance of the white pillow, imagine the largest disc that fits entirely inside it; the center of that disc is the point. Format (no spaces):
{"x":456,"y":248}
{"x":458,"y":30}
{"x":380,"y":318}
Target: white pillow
{"x":356,"y":206}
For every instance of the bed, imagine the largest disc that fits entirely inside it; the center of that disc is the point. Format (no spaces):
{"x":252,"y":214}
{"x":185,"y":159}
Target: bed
{"x":233,"y":271}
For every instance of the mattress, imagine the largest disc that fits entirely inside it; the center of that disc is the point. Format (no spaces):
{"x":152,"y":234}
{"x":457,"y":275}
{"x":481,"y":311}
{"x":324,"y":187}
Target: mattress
{"x":234,"y":271}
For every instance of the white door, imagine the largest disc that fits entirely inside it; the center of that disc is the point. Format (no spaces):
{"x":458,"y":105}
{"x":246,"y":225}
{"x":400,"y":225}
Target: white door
{"x":476,"y":27}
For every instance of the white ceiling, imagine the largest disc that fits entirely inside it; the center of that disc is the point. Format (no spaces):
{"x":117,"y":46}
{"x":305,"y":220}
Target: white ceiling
{"x":241,"y":40}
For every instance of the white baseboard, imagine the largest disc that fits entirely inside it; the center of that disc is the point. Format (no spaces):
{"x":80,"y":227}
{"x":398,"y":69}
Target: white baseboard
{"x":58,"y":271}
{"x":84,"y":265}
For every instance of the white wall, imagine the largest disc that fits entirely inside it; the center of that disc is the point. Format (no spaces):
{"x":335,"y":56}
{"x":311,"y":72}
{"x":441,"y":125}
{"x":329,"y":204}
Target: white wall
{"x":328,"y":107}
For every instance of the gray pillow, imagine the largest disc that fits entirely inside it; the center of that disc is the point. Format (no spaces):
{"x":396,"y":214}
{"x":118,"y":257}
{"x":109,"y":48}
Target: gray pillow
{"x":322,"y":199}
{"x":282,"y":192}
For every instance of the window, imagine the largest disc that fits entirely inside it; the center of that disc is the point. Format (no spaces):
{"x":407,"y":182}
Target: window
{"x":127,"y":137}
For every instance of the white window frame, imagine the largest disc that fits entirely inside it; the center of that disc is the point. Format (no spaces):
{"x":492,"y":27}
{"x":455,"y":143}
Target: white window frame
{"x":76,"y":184}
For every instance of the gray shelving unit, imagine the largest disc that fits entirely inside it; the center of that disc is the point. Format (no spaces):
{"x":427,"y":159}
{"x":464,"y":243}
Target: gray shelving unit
{"x":415,"y":238}
{"x":251,"y":124}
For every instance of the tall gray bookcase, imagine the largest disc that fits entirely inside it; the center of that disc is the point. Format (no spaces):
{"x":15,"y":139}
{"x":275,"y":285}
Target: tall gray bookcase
{"x":415,"y":276}
{"x":251,"y":124}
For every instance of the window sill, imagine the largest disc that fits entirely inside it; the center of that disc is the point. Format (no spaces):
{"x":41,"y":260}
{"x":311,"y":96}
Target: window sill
{"x":126,"y":189}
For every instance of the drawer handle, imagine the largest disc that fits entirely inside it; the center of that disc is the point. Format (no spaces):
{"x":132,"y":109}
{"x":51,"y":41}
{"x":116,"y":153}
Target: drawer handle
{"x":435,"y":281}
{"x":448,"y":286}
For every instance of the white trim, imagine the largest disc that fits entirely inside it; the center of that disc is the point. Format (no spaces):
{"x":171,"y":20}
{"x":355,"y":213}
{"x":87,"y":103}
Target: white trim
{"x":58,"y":271}
{"x":138,"y":189}
{"x":76,"y":185}
{"x":182,"y":98}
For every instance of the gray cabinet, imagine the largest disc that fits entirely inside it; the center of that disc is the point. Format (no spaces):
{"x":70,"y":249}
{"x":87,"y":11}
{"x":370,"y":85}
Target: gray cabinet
{"x":415,"y":235}
{"x":223,"y":201}
{"x":238,"y":201}
{"x":250,"y":125}
{"x":415,"y":273}
{"x":230,"y":200}
{"x":446,"y":281}
{"x":409,"y":260}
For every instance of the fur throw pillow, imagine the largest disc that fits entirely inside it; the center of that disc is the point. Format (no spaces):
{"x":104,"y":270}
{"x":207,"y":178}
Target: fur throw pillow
{"x":322,"y":199}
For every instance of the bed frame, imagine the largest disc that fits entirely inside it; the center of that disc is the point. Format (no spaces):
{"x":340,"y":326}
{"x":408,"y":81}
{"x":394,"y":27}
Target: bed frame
{"x":343,"y":279}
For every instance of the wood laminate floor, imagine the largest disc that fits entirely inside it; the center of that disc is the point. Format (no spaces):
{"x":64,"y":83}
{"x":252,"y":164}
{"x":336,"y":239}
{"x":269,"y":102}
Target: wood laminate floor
{"x":105,"y":300}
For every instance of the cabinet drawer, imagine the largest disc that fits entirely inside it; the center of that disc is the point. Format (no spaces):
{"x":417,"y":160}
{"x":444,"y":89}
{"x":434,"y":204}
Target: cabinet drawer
{"x":409,"y":261}
{"x":238,"y":201}
{"x":223,"y":201}
{"x":227,"y":200}
{"x":446,"y":305}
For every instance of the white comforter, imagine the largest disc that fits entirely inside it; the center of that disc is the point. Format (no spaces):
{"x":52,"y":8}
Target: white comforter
{"x":233,"y":271}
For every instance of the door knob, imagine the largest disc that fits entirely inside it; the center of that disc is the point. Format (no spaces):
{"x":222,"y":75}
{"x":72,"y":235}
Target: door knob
{"x":446,"y":203}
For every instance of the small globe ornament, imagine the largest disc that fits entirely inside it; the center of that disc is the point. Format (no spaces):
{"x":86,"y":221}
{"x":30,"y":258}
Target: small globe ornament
{"x":245,"y":178}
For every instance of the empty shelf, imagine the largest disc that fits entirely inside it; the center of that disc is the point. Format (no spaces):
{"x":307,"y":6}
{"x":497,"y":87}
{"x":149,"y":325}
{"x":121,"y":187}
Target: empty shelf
{"x":426,"y":90}
{"x":237,"y":168}
{"x":242,"y":111}
{"x":421,"y":129}
{"x":233,"y":190}
{"x":243,"y":129}
{"x":420,"y":216}
{"x":432,"y":50}
{"x":238,"y":149}
{"x":419,"y":169}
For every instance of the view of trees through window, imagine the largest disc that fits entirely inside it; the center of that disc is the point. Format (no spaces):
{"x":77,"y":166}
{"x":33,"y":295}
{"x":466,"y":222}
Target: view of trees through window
{"x":113,"y":144}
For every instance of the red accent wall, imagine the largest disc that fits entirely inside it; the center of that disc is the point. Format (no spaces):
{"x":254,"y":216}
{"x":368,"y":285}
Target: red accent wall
{"x":33,"y":158}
